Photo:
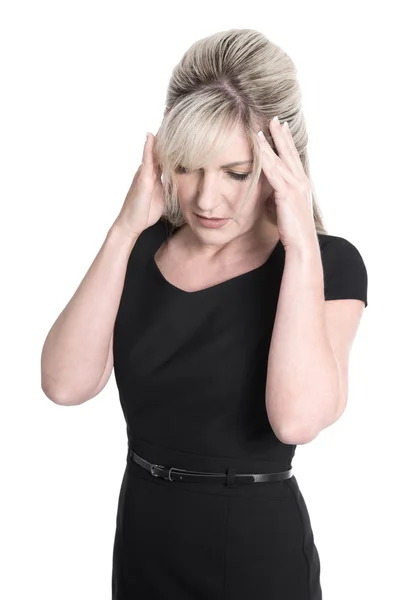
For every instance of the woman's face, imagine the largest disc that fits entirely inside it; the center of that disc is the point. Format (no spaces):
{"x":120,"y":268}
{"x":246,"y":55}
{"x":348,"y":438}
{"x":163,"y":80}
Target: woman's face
{"x":218,"y":190}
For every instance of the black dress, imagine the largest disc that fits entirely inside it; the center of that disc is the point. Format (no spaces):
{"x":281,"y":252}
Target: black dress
{"x":191,"y":373}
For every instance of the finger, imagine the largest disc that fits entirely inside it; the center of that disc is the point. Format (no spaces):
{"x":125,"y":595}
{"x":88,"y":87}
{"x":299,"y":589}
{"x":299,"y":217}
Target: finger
{"x":149,"y":161}
{"x":144,"y":148}
{"x":287,"y":150}
{"x":156,"y":165}
{"x":147,"y":158}
{"x":275,"y":170}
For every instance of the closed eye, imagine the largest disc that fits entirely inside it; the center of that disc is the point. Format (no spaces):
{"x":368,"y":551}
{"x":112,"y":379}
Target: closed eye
{"x":239,"y":176}
{"x":236,"y":176}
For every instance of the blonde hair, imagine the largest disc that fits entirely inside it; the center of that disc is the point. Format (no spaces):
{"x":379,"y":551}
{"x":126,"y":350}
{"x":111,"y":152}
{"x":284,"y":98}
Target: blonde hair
{"x":234,"y":77}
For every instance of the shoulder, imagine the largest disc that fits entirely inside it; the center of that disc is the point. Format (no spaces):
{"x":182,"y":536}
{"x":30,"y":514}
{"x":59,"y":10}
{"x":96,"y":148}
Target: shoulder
{"x":158,"y":230}
{"x":147,"y":244}
{"x":334,"y":245}
{"x":334,"y":248}
{"x":345,"y":272}
{"x":151,"y":237}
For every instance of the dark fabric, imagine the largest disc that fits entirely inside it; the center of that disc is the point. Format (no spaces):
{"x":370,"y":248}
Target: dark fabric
{"x":191,"y":372}
{"x":345,"y":273}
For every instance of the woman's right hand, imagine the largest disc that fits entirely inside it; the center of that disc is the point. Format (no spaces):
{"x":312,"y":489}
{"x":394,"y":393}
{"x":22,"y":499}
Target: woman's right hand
{"x":145,"y":201}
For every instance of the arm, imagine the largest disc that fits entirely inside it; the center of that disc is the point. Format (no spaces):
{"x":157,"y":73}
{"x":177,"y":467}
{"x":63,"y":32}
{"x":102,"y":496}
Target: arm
{"x":303,"y":380}
{"x":78,"y":348}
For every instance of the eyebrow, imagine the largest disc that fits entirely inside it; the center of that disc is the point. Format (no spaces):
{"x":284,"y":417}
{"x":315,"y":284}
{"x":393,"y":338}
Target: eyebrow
{"x":234,"y":164}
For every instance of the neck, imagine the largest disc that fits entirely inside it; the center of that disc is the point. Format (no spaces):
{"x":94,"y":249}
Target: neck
{"x":258,"y":239}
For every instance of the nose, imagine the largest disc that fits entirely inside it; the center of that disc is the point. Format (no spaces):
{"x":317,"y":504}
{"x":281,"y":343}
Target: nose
{"x":207,"y":198}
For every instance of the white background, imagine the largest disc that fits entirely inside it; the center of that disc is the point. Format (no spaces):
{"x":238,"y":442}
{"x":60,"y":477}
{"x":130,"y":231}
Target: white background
{"x":82,"y":82}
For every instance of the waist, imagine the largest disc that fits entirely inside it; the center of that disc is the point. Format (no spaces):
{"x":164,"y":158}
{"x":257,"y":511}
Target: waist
{"x":179,"y":459}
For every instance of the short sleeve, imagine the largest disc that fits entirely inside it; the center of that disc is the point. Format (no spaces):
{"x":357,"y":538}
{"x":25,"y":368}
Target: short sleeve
{"x":345,"y":273}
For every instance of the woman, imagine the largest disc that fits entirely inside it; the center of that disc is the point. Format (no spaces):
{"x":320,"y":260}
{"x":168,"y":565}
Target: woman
{"x":227,"y":347}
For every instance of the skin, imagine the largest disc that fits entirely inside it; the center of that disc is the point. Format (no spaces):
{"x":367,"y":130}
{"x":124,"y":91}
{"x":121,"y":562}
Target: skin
{"x":212,"y":192}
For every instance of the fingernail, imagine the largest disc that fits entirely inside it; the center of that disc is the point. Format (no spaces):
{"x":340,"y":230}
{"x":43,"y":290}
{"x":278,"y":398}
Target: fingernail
{"x":261,"y":135}
{"x":147,"y":136}
{"x":275,"y":119}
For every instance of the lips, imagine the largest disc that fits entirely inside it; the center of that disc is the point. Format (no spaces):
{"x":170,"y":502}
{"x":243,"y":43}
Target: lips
{"x":211,"y":218}
{"x":212,"y":223}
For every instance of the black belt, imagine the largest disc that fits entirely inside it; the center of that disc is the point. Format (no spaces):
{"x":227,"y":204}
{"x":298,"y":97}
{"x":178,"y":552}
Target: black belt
{"x":174,"y":474}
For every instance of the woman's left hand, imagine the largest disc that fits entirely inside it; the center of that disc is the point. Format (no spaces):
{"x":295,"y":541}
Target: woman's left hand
{"x":292,"y":188}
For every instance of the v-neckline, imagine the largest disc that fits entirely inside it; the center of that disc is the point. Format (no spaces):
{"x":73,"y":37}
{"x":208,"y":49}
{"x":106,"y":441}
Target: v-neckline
{"x":219,"y":285}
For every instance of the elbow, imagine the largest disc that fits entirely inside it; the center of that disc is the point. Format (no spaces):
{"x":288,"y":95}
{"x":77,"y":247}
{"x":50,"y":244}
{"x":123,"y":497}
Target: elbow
{"x":55,"y":399}
{"x":58,"y":398}
{"x":51,"y":391}
{"x":295,"y":435}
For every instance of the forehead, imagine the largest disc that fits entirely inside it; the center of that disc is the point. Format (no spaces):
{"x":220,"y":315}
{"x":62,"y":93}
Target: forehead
{"x":234,"y":151}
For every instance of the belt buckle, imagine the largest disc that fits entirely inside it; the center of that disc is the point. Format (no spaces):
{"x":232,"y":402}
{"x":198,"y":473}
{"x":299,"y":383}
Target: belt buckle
{"x":154,"y":466}
{"x":167,"y":477}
